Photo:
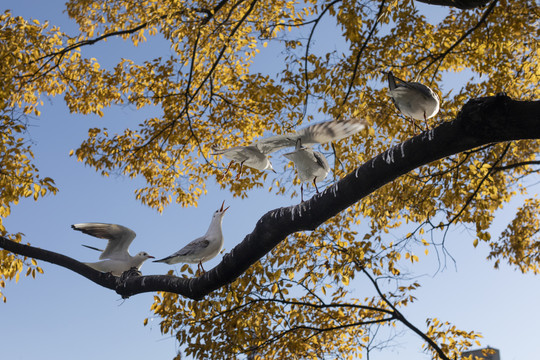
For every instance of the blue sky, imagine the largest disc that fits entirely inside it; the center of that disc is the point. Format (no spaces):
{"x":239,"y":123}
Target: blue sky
{"x":61,"y":315}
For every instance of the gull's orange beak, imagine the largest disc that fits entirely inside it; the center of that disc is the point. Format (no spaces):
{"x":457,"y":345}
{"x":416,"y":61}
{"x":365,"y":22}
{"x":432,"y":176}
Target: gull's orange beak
{"x":223,"y":210}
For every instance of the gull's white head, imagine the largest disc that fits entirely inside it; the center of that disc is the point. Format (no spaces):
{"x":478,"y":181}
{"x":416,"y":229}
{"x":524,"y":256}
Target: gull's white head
{"x":143,"y":256}
{"x":140,"y":258}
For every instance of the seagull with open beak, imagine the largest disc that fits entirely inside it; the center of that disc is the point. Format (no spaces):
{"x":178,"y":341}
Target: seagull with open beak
{"x":203,"y":248}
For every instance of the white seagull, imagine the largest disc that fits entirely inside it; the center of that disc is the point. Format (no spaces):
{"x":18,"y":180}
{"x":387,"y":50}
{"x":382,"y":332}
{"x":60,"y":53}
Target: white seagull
{"x":248,"y":155}
{"x":116,"y":258}
{"x":256,"y":154}
{"x":413,"y":99}
{"x":203,"y":248}
{"x":311,"y":165}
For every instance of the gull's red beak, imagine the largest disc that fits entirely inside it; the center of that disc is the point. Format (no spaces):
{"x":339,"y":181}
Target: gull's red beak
{"x":223,"y":210}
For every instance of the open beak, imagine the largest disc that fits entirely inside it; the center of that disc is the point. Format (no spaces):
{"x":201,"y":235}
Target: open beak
{"x":223,"y":210}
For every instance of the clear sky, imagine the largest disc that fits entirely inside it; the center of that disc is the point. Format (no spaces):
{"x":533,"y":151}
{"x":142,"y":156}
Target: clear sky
{"x":61,"y":315}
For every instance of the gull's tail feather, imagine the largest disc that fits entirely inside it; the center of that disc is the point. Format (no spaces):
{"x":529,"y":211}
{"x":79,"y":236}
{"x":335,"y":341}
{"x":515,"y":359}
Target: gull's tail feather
{"x":167,"y":260}
{"x":391,"y":80}
{"x":93,"y":248}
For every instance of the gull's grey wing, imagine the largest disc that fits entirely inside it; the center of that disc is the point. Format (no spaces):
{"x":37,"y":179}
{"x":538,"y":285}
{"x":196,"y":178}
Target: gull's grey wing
{"x":321,"y":160}
{"x":275,"y":143}
{"x":119,"y":238}
{"x":328,"y":131}
{"x":319,"y":133}
{"x":416,"y":86}
{"x":239,"y":153}
{"x":193,"y":247}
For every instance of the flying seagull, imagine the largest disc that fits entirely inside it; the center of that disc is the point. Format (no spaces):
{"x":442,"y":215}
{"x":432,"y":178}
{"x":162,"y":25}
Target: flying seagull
{"x":255,"y":155}
{"x":203,"y":248}
{"x":311,"y":165}
{"x":115,"y":258}
{"x":248,"y":155}
{"x":413,"y":99}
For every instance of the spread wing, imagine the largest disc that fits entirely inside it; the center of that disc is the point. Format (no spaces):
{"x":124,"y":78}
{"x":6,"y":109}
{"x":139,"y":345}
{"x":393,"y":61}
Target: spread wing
{"x":119,"y":238}
{"x":328,"y":131}
{"x":320,"y":133}
{"x":275,"y":143}
{"x":238,"y":153}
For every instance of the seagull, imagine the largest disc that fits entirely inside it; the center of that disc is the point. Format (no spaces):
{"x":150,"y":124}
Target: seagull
{"x":203,"y":248}
{"x":311,"y":165}
{"x":413,"y":99}
{"x":115,"y":258}
{"x":256,"y":154}
{"x":249,"y":156}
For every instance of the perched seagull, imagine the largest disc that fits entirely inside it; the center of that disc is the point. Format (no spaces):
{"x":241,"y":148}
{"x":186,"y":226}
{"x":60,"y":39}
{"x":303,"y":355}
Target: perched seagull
{"x":311,"y":165}
{"x":116,"y":256}
{"x":256,"y":154}
{"x":201,"y":249}
{"x":413,"y":99}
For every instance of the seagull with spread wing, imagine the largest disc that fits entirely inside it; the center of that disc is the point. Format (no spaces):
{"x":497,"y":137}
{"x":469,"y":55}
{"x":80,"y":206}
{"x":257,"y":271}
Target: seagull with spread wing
{"x":256,"y":154}
{"x":115,"y":258}
{"x":203,"y":248}
{"x":413,"y":99}
{"x":249,"y":155}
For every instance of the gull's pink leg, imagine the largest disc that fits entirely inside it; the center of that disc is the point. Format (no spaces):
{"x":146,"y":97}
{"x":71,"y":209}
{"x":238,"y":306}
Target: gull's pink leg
{"x":240,"y":172}
{"x":226,"y":171}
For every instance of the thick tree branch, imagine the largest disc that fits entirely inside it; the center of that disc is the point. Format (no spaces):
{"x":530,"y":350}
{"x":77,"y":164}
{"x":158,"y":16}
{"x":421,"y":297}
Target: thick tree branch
{"x":460,"y":4}
{"x":481,"y":121}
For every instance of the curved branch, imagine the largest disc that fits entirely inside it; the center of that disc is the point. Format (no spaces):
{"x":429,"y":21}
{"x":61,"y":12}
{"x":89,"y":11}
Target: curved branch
{"x":189,"y":98}
{"x":515,"y":165}
{"x":460,"y":4}
{"x":361,"y":51}
{"x":399,"y":316}
{"x":463,"y":37}
{"x":315,"y":23}
{"x":481,"y":121}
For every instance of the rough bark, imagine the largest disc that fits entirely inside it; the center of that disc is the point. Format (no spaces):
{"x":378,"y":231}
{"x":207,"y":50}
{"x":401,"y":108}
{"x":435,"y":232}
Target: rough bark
{"x":481,"y":121}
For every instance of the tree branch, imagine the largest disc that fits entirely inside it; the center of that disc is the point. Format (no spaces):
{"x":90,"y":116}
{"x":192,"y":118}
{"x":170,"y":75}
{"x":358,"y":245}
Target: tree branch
{"x":481,"y":121}
{"x":515,"y":165}
{"x":462,"y":37}
{"x":399,"y":316}
{"x":361,"y":51}
{"x":460,"y":4}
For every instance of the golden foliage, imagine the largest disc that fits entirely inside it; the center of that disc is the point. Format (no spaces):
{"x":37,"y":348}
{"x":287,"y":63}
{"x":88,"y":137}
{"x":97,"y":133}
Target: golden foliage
{"x":210,"y":89}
